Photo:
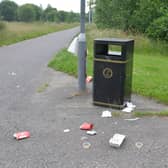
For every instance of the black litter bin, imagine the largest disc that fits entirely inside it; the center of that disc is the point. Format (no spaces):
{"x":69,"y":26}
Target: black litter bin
{"x":112,"y":79}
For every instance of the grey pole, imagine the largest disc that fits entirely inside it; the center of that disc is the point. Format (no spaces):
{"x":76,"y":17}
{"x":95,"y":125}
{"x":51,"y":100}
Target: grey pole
{"x":82,"y":51}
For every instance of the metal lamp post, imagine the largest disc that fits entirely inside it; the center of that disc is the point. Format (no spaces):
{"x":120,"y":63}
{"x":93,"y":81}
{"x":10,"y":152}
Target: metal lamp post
{"x":82,"y":51}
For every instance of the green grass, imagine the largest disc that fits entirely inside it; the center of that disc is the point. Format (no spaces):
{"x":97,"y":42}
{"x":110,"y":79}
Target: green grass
{"x":150,"y":62}
{"x":42,"y":88}
{"x":150,"y":76}
{"x":65,"y":62}
{"x":143,"y":114}
{"x":19,"y":31}
{"x":117,"y":114}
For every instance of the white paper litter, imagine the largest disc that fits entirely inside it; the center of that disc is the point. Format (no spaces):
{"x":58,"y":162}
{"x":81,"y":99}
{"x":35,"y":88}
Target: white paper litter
{"x":92,"y":132}
{"x":132,"y":119}
{"x":117,"y":140}
{"x":73,"y":47}
{"x":12,"y":73}
{"x":106,"y":114}
{"x":129,"y":107}
{"x":127,"y":110}
{"x":66,"y":130}
{"x":129,"y":104}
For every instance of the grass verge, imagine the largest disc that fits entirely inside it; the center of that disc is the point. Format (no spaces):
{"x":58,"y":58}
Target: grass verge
{"x":18,"y":31}
{"x":143,"y":114}
{"x":64,"y":61}
{"x":150,"y":62}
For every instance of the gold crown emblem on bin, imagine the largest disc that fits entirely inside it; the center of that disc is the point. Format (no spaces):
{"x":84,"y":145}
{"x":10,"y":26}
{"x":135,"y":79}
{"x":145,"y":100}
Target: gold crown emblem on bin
{"x":107,"y":73}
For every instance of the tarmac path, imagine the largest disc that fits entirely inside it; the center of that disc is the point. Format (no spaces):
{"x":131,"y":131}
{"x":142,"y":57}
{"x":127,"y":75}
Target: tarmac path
{"x":22,"y":65}
{"x":23,"y":69}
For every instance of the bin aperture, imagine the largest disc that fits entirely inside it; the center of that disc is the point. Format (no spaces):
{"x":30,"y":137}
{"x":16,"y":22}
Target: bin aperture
{"x":112,"y":82}
{"x":114,"y":50}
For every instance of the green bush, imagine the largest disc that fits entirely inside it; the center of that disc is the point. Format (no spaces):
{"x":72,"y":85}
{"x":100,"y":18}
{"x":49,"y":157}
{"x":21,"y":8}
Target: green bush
{"x":159,"y":29}
{"x":2,"y":26}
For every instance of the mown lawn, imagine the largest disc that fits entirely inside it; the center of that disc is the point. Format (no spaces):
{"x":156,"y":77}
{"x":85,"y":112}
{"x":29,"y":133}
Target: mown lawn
{"x":19,"y":31}
{"x":150,"y":62}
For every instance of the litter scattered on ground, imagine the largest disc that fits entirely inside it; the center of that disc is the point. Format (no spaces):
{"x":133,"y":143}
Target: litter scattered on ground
{"x":139,"y":145}
{"x":66,"y":130}
{"x":129,"y":107}
{"x":86,"y":145}
{"x":115,"y":123}
{"x":21,"y":135}
{"x":86,"y":126}
{"x":132,"y":119}
{"x":73,"y":47}
{"x":84,"y":138}
{"x":127,"y":110}
{"x":129,"y":104}
{"x":92,"y":132}
{"x":106,"y":114}
{"x":117,"y":140}
{"x":18,"y":86}
{"x":89,"y":79}
{"x":12,"y":73}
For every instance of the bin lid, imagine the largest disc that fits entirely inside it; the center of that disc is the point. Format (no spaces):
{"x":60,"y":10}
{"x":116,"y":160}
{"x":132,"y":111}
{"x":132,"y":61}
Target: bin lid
{"x":117,"y":41}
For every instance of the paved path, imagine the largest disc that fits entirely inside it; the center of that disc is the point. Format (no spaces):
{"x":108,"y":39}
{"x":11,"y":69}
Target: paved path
{"x":28,"y":60}
{"x":48,"y":113}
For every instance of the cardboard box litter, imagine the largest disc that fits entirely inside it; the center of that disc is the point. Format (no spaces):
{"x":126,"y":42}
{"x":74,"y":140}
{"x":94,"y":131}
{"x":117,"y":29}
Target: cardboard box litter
{"x":117,"y":140}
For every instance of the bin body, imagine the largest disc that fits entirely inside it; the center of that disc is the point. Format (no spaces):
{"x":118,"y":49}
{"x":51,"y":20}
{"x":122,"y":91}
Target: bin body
{"x":112,"y":81}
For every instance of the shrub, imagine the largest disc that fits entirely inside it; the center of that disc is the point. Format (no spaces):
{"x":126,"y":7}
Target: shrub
{"x":159,"y":29}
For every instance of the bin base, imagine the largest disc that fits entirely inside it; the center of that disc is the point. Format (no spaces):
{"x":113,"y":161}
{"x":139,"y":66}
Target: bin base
{"x":116,"y":106}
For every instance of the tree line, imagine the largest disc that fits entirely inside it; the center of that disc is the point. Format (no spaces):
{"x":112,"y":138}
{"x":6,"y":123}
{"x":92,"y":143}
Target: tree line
{"x":144,"y":16}
{"x":10,"y":11}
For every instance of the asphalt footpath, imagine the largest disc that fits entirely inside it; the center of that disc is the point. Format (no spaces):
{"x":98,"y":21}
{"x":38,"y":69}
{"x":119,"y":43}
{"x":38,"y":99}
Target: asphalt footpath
{"x":46,"y":103}
{"x":53,"y":118}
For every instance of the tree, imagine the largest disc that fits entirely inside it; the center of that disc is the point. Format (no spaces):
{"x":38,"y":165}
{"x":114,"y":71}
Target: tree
{"x":72,"y":17}
{"x":137,"y":15}
{"x":8,"y":10}
{"x":50,"y":14}
{"x":38,"y":11}
{"x":62,"y":16}
{"x":103,"y":13}
{"x":27,"y":13}
{"x":126,"y":10}
{"x":159,"y":29}
{"x":148,"y":11}
{"x":91,"y":5}
{"x":115,"y":13}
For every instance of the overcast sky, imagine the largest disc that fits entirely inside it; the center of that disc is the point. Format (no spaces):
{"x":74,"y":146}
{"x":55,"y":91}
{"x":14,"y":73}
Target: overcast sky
{"x":66,"y":5}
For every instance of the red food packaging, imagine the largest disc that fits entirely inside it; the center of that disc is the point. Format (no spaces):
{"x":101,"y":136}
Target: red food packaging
{"x":89,"y":79}
{"x":21,"y":135}
{"x":86,"y":126}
